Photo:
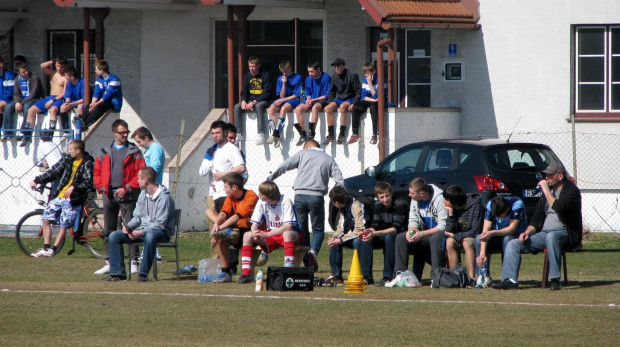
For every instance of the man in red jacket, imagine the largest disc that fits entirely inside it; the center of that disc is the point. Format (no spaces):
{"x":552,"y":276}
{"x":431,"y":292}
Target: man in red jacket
{"x":116,"y":179}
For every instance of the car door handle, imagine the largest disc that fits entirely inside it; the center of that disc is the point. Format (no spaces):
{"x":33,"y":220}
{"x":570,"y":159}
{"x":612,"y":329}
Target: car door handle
{"x":443,"y":181}
{"x":404,"y":183}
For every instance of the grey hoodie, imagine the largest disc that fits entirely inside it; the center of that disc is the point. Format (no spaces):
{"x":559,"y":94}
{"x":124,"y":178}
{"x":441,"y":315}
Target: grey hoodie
{"x":154,"y":212}
{"x":436,"y":210}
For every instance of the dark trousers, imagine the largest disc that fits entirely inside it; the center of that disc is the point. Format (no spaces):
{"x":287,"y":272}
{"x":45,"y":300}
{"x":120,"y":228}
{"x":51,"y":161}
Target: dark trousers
{"x":98,"y":112}
{"x":111,"y":208}
{"x":359,"y":108}
{"x":427,"y":250}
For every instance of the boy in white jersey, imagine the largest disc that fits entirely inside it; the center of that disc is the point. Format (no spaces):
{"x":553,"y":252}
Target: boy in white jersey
{"x":277,"y":211}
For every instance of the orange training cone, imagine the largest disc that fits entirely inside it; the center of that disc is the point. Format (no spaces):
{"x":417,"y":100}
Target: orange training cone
{"x":355,"y":282}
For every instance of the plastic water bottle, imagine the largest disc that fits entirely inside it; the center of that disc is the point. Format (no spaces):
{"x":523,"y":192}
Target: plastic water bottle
{"x":259,"y":280}
{"x":302,"y":95}
{"x":482,"y":275}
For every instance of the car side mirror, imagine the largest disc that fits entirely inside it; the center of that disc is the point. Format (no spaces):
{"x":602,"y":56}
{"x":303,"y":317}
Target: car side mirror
{"x":371,"y":171}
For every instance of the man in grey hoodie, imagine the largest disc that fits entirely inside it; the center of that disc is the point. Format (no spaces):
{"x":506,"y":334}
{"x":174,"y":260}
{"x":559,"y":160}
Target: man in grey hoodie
{"x":314,"y":168}
{"x":427,"y":226}
{"x":153,"y":221}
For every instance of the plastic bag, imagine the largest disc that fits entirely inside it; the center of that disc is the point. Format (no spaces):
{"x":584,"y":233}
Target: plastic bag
{"x":208,"y":270}
{"x":404,"y":279}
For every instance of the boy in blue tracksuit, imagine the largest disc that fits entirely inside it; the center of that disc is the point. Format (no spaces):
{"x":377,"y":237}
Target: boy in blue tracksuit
{"x":108,"y":94}
{"x":7,"y":81}
{"x":287,"y":93}
{"x":316,"y":94}
{"x":369,"y":98}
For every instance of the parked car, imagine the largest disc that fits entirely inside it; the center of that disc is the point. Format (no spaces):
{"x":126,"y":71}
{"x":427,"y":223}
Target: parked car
{"x":485,"y":167}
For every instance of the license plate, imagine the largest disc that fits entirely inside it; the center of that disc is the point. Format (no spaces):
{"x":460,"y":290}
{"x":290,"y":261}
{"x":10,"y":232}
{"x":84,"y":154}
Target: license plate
{"x":532,"y":193}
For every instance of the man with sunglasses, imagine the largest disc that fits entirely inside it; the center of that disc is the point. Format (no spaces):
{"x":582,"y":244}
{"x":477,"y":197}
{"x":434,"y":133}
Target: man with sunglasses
{"x":556,"y":225}
{"x":116,"y":179}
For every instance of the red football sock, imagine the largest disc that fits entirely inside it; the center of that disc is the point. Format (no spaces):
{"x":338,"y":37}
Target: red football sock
{"x":246,"y":259}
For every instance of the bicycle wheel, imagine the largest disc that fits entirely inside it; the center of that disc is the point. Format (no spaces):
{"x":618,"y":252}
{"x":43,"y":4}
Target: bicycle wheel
{"x":29,"y":233}
{"x":92,"y":229}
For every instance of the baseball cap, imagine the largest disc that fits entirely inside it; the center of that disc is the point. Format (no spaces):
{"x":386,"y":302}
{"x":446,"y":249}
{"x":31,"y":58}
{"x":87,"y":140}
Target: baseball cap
{"x":553,"y":169}
{"x":338,"y":61}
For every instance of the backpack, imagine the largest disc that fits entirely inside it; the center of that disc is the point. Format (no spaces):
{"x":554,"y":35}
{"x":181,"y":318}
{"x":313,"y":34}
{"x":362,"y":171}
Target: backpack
{"x":456,"y":277}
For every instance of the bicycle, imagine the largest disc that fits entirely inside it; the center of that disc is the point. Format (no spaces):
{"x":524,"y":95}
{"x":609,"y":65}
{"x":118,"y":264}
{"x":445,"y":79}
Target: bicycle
{"x":29,"y":229}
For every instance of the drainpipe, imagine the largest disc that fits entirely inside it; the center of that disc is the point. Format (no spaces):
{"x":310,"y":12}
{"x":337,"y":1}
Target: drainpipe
{"x":381,"y":97}
{"x":231,"y":64}
{"x":86,"y":61}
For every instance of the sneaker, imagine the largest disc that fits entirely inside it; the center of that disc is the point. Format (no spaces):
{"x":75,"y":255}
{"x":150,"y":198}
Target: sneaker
{"x":301,"y":141}
{"x":332,"y":281}
{"x":506,"y":284}
{"x":114,"y":278}
{"x":159,"y":260}
{"x":555,"y":285}
{"x":289,"y":263}
{"x":263,"y":258}
{"x":313,"y":260}
{"x":328,"y":139}
{"x":104,"y":270}
{"x":369,"y":281}
{"x":276,"y":143}
{"x":223,"y":277}
{"x":227,"y":234}
{"x":142,"y":278}
{"x":353,"y":139}
{"x":25,"y":142}
{"x":260,"y":139}
{"x":373,"y":140}
{"x":4,"y":138}
{"x":243,"y":279}
{"x":271,"y":126}
{"x":271,"y":139}
{"x":382,"y":282}
{"x":134,"y":267}
{"x":186,"y":270}
{"x":43,"y":253}
{"x":340,"y":140}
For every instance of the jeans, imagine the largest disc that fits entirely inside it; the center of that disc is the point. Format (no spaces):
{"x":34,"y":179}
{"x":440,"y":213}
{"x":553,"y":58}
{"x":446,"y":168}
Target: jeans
{"x":553,"y":240}
{"x":495,"y":244}
{"x":111,"y":207}
{"x":10,"y":117}
{"x":315,"y":206}
{"x":388,"y":243}
{"x":427,"y":250}
{"x":260,"y":109}
{"x":117,"y":254}
{"x":364,"y":250}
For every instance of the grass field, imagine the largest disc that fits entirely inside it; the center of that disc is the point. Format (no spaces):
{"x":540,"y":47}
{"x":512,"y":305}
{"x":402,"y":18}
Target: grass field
{"x":59,"y":301}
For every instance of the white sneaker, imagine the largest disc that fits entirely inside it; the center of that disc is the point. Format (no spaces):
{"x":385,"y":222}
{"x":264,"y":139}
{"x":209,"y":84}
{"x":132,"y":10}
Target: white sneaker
{"x":262,"y":259}
{"x":270,"y":140}
{"x":260,"y":140}
{"x":104,"y":270}
{"x":134,"y":267}
{"x":44,"y":253}
{"x":313,"y":260}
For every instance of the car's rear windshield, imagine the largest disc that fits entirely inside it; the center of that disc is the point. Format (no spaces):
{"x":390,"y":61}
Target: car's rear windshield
{"x":520,"y":158}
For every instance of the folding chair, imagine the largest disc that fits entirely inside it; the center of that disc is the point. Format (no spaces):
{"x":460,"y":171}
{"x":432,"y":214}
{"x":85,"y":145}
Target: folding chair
{"x":545,"y":274}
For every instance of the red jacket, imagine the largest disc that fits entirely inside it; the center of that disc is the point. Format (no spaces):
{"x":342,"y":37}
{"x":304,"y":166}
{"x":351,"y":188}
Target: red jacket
{"x":132,"y":164}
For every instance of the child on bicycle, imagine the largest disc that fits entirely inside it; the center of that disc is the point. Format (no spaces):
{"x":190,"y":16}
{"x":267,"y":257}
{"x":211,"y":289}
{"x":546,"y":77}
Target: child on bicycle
{"x":75,"y":171}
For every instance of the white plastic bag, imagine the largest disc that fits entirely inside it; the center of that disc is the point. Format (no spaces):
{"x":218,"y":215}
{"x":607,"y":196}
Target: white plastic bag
{"x":404,"y":279}
{"x":208,"y":270}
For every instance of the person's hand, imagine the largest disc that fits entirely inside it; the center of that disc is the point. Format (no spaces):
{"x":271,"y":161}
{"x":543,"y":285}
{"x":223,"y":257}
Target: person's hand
{"x":214,"y":241}
{"x":448,"y":207}
{"x":18,"y":107}
{"x":486,"y":235}
{"x":284,"y":79}
{"x":217,"y":175}
{"x":278,"y":102}
{"x":544,"y":185}
{"x":33,"y":185}
{"x":481,"y":260}
{"x":92,"y":106}
{"x":250,"y":106}
{"x":334,"y":241}
{"x":69,"y":192}
{"x":127,"y":230}
{"x":417,"y":236}
{"x":410,"y":237}
{"x":216,"y":228}
{"x":523,"y":237}
{"x":309,"y":102}
{"x":350,"y":108}
{"x":449,"y":234}
{"x":136,"y":234}
{"x":368,"y":235}
{"x":120,"y":192}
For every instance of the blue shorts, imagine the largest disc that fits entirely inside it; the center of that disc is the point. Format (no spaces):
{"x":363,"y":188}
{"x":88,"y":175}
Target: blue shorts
{"x":62,"y":208}
{"x":340,"y":101}
{"x":41,"y":103}
{"x":294,"y":103}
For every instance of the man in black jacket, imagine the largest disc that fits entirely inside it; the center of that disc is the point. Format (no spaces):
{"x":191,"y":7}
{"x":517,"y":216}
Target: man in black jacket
{"x":255,"y":97}
{"x":556,"y":225}
{"x":75,"y":171}
{"x":345,"y":91}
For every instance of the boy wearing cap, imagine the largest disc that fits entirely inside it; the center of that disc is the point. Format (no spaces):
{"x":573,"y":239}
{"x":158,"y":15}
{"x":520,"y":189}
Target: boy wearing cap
{"x":556,"y":225}
{"x":344,"y":92}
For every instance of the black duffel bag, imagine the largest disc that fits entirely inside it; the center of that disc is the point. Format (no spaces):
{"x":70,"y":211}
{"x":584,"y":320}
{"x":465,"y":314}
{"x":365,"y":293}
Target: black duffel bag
{"x":290,"y":278}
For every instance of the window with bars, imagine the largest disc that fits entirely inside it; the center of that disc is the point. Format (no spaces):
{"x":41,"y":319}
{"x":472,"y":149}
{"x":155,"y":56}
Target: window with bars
{"x":597,"y":71}
{"x":70,"y":44}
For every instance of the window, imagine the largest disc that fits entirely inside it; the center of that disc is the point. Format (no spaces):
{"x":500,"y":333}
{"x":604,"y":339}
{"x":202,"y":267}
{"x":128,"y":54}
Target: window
{"x":402,"y":163}
{"x":70,"y":44}
{"x":597,"y":70}
{"x":438,"y":159}
{"x":515,"y":159}
{"x":418,"y":68}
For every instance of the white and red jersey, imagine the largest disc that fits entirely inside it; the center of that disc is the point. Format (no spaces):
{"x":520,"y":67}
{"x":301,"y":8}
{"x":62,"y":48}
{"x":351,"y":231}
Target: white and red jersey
{"x":276,"y":215}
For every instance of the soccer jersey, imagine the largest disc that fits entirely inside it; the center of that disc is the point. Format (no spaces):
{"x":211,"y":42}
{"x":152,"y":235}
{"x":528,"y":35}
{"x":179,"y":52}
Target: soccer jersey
{"x":243,"y":208}
{"x":316,"y":87}
{"x":75,"y":92}
{"x":276,"y":215}
{"x":517,"y":211}
{"x":109,"y":89}
{"x":293,"y":85}
{"x":225,"y":159}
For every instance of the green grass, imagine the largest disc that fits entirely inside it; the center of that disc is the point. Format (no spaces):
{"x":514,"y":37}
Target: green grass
{"x":59,"y":301}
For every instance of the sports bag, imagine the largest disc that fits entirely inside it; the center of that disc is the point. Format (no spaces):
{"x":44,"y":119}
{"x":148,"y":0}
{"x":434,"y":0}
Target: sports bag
{"x":290,"y":278}
{"x":456,"y":277}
